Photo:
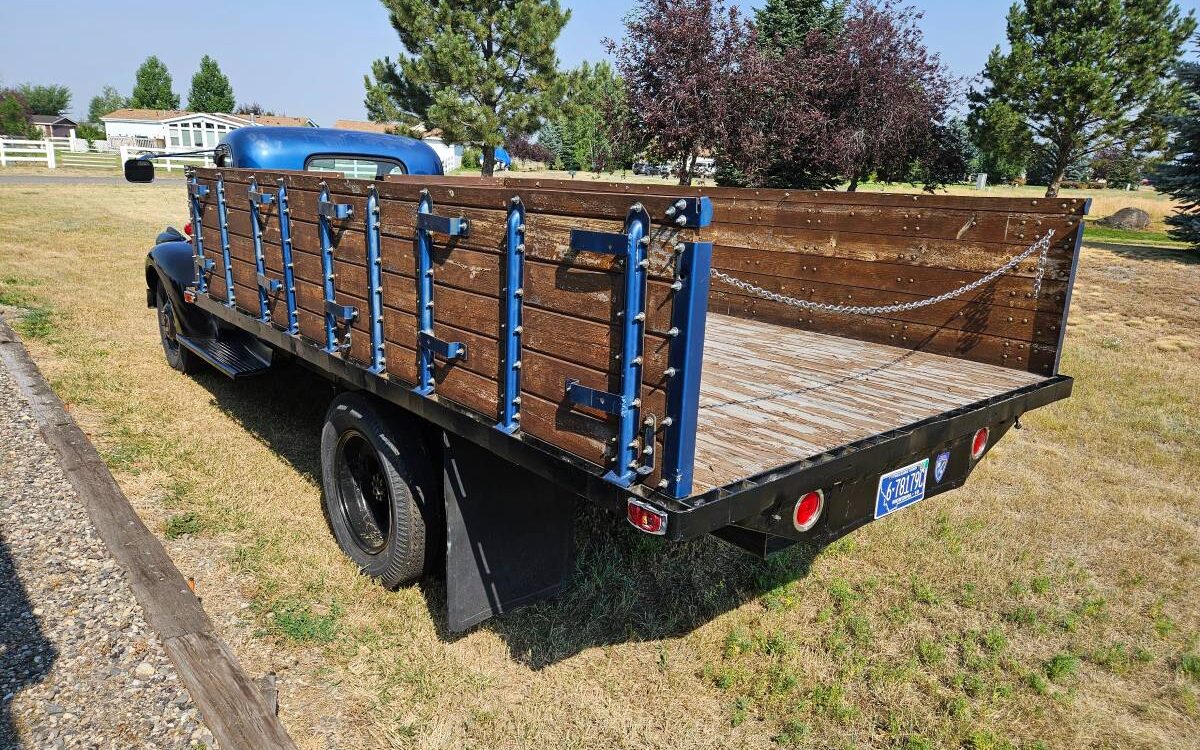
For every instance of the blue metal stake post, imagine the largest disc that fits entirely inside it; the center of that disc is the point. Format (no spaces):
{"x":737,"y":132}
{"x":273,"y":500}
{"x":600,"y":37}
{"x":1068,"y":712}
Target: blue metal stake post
{"x":196,"y":192}
{"x":428,"y":344}
{"x":374,"y":281}
{"x":266,"y":286}
{"x":510,"y":328}
{"x":684,"y":364}
{"x":285,"y":242}
{"x":223,"y":218}
{"x":335,"y":314}
{"x":633,"y":245}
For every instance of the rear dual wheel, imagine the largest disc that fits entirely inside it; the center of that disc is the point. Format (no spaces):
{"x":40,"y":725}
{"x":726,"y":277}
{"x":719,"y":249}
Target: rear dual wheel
{"x":376,"y":490}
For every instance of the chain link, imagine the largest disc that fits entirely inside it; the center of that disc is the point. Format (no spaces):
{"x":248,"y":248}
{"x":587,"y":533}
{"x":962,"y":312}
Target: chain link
{"x":1042,"y":245}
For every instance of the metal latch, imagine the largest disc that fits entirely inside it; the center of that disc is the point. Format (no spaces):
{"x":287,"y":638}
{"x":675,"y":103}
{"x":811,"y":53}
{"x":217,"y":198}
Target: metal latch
{"x":594,"y":398}
{"x":259,"y":198}
{"x":454,"y":227}
{"x":335,"y":211}
{"x":271,"y":286}
{"x":443,"y":349}
{"x":610,"y":243}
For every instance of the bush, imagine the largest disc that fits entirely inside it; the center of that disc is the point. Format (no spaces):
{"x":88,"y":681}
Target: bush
{"x":472,"y":158}
{"x":89,"y":132}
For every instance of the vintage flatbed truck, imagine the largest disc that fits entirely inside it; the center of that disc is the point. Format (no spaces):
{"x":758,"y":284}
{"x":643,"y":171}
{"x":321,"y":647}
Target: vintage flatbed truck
{"x":767,"y":366}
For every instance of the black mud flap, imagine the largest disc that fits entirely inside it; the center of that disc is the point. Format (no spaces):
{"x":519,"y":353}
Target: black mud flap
{"x":509,"y":535}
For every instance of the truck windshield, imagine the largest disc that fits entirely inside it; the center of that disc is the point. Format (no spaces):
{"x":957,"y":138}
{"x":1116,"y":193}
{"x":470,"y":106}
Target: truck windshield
{"x":355,"y":167}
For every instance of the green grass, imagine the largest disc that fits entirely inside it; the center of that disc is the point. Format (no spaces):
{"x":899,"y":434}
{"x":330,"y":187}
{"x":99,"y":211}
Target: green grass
{"x":296,"y":621}
{"x":1061,"y":666}
{"x":182,"y":524}
{"x":1098,"y":233}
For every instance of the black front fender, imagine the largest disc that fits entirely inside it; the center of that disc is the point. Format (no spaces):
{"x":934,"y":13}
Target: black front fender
{"x":170,"y":266}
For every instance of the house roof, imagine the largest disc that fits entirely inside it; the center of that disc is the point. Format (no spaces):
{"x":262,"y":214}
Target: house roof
{"x":51,"y":119}
{"x":387,"y":127}
{"x":161,"y":115}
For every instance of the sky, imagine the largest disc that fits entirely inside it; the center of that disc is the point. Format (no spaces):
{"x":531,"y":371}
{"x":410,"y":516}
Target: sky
{"x":307,"y":57}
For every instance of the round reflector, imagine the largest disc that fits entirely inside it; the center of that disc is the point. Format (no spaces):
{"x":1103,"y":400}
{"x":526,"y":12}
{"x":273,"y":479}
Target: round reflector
{"x":979,"y":443}
{"x":187,"y":229}
{"x":808,"y":510}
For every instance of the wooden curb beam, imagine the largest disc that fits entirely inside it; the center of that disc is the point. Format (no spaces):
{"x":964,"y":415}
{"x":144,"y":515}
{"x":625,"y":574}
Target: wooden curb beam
{"x":231,"y":704}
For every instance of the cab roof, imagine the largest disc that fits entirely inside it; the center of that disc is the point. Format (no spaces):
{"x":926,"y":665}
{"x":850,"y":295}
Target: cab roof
{"x":291,"y":148}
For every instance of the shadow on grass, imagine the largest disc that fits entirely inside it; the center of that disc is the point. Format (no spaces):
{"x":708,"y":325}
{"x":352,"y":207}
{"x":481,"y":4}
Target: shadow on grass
{"x":1135,"y":251}
{"x":626,"y":586}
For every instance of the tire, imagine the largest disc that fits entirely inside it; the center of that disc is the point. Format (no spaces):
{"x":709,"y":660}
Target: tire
{"x":376,"y":493}
{"x":168,"y":328}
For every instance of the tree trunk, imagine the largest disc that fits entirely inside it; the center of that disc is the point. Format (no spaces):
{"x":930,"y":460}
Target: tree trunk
{"x":853,"y":184}
{"x":488,"y":165}
{"x":1062,"y":160}
{"x":686,"y":165}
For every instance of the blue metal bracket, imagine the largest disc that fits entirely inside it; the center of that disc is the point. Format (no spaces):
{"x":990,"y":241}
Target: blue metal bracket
{"x":285,"y":242}
{"x":272,"y":286}
{"x":453,"y":227}
{"x":427,"y":223}
{"x":685,"y":359}
{"x":693,"y":213}
{"x":335,"y":315}
{"x":511,"y":294}
{"x":257,"y":197}
{"x":326,"y":209}
{"x":223,"y":217}
{"x":633,"y":245}
{"x":610,"y":243}
{"x":612,"y":403}
{"x":375,"y":282}
{"x":341,"y":313}
{"x":260,"y":265}
{"x":443,"y":349}
{"x":196,"y":191}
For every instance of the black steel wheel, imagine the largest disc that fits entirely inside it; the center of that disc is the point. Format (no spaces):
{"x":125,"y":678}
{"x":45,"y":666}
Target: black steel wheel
{"x":375,"y":491}
{"x":168,"y":328}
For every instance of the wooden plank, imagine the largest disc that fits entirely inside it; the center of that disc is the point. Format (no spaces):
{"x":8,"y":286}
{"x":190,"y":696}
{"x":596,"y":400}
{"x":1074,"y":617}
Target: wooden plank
{"x":233,"y":708}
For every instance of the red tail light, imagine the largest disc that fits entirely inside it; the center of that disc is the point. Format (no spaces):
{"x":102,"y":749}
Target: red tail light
{"x":979,"y":443}
{"x":646,"y":518}
{"x":808,"y":510}
{"x":187,"y":229}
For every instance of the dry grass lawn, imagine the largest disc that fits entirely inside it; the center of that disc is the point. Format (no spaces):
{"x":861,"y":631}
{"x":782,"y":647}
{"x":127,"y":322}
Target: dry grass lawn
{"x":1054,"y":602}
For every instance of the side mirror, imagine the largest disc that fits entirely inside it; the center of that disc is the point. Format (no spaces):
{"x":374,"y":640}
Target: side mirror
{"x":139,"y":170}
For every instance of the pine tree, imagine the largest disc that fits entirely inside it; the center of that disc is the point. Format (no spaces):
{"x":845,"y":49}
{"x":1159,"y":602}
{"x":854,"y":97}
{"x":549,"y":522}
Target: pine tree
{"x":1087,"y":74}
{"x":1180,"y":177}
{"x":783,"y":24}
{"x":488,"y":65}
{"x":152,"y":89}
{"x":211,"y":90}
{"x":551,"y":137}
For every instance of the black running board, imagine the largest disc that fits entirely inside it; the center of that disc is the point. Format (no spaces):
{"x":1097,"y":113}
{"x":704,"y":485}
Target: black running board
{"x":230,"y":358}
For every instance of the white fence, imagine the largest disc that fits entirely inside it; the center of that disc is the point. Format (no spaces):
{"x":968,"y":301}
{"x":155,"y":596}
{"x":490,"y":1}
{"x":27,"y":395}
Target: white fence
{"x":27,"y":152}
{"x":163,"y":160}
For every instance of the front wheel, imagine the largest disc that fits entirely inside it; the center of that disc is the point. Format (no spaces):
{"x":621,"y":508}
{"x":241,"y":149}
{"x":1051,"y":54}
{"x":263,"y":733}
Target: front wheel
{"x":168,"y":330}
{"x":375,"y":491}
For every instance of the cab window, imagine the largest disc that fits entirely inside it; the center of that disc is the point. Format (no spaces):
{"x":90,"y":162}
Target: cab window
{"x":355,"y":167}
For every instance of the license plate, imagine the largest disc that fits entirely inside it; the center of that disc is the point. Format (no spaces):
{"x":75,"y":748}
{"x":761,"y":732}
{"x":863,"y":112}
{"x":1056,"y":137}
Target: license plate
{"x":901,"y":488}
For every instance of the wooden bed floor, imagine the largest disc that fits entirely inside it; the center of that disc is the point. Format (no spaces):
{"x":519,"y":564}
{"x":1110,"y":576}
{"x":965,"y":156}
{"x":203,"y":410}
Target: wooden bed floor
{"x":771,"y":395}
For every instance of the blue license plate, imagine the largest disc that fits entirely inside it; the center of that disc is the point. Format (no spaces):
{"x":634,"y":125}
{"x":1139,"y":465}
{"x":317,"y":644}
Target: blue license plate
{"x":901,"y":488}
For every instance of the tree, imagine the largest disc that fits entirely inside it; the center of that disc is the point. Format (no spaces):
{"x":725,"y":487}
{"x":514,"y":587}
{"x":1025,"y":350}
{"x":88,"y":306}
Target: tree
{"x":595,"y":118}
{"x":108,"y":100}
{"x":674,"y":58}
{"x":1118,"y":166}
{"x":211,"y":90}
{"x":152,"y":89}
{"x":1179,"y":177}
{"x":525,"y":149}
{"x":392,"y":97}
{"x":253,"y":108}
{"x":45,"y":100}
{"x":14,"y":116}
{"x":1087,"y":74}
{"x":785,"y":24}
{"x":489,"y":66}
{"x":1005,"y":143}
{"x":551,"y":137}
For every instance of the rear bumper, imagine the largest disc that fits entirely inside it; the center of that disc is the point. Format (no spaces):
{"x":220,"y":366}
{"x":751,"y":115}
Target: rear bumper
{"x":849,"y":475}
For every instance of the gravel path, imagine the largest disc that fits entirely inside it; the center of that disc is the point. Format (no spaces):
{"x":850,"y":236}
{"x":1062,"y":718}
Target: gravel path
{"x":78,"y":666}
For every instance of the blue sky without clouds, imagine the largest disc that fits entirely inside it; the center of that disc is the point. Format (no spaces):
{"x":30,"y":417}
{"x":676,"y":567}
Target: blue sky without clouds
{"x":307,"y":57}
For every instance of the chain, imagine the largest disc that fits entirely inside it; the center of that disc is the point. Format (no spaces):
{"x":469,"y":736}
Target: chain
{"x":1042,"y":245}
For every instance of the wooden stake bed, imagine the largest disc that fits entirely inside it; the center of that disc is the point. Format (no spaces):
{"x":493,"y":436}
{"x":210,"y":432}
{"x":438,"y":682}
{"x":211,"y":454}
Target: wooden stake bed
{"x":582,"y":316}
{"x":773,"y":395}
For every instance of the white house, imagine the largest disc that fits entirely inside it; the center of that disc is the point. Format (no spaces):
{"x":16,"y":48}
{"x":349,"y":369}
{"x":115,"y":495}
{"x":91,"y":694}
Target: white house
{"x":160,"y":128}
{"x":450,"y":154}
